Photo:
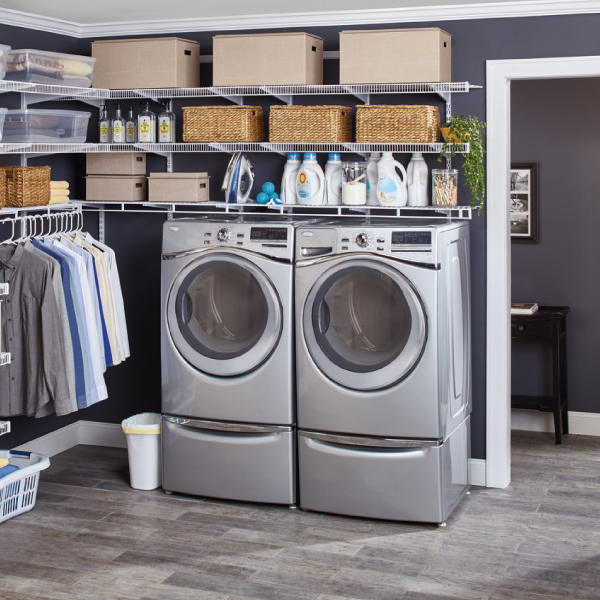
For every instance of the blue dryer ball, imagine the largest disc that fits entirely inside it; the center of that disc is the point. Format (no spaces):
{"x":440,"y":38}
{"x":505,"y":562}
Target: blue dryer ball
{"x":268,"y":187}
{"x":274,"y":196}
{"x":262,"y":198}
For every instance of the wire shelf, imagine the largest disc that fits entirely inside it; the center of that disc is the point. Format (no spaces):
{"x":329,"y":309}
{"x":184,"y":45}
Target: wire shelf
{"x":416,"y":212}
{"x":9,"y":211}
{"x":58,"y":148}
{"x":75,"y":93}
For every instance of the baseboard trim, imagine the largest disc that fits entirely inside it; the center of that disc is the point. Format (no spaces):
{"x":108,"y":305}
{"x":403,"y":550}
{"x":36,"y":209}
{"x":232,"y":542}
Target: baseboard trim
{"x":90,"y":433}
{"x":580,"y":423}
{"x":477,"y":472}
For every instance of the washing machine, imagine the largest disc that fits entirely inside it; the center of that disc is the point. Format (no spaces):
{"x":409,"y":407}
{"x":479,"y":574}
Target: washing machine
{"x":383,"y":375}
{"x":227,"y":358}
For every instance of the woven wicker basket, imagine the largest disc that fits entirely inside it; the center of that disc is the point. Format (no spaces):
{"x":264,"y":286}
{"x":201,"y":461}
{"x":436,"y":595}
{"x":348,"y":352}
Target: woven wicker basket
{"x":27,"y":186}
{"x":397,"y":123}
{"x":297,"y":124}
{"x":223,"y":124}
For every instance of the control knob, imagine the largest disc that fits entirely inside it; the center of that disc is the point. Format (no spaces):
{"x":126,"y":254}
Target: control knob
{"x":362,"y":240}
{"x":223,"y":234}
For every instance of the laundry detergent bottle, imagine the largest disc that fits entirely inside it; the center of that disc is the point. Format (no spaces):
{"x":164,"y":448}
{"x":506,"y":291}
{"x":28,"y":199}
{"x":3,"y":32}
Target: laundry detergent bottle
{"x":288,"y":181}
{"x":333,"y":179}
{"x":310,"y":184}
{"x":372,"y":178}
{"x":417,"y":177}
{"x":391,"y":188}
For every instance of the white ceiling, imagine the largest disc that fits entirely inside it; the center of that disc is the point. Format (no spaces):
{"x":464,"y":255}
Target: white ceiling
{"x":122,"y":17}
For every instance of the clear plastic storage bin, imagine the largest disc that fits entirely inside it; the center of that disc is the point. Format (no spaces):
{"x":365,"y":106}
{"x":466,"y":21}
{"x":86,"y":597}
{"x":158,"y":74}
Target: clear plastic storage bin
{"x":4,"y":50}
{"x":45,"y":126}
{"x":18,"y":490}
{"x":3,"y":112}
{"x":53,"y":68}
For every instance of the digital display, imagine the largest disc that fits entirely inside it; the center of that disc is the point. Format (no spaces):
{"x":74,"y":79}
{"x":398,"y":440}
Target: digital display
{"x":411,"y":238}
{"x":268,"y":234}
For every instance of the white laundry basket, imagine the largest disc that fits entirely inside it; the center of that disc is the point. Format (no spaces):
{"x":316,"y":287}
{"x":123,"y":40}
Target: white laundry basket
{"x":18,"y":490}
{"x":143,"y":434}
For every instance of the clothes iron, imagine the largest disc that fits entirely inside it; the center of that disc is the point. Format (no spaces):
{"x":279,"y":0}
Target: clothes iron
{"x":239,"y":179}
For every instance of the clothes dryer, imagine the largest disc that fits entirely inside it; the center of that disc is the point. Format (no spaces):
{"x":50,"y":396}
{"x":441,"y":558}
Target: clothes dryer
{"x":227,"y":358}
{"x":383,"y":367}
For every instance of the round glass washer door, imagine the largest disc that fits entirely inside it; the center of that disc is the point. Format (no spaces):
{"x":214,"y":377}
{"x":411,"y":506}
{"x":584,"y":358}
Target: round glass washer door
{"x":224,"y":315}
{"x":364,"y":324}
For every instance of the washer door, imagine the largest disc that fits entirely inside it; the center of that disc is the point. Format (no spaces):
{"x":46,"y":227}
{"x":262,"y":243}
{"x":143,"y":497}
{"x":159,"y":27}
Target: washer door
{"x":224,"y":315}
{"x":364,"y":324}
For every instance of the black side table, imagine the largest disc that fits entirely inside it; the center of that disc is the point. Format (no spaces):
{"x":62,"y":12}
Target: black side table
{"x":548,"y":324}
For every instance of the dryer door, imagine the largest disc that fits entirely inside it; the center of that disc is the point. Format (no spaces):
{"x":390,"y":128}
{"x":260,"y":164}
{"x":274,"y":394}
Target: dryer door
{"x":224,"y":315}
{"x":364,"y":324}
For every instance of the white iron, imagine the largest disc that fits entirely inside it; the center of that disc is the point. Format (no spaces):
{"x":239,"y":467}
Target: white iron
{"x":239,"y":179}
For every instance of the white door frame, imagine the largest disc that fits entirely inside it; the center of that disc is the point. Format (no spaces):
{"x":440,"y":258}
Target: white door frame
{"x":499,"y":74}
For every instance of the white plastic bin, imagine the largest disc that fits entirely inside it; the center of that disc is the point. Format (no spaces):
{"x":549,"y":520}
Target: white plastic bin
{"x":143,"y":434}
{"x":42,"y":126}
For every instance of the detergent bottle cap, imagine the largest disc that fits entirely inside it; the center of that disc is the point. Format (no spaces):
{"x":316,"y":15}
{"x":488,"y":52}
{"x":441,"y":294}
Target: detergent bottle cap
{"x":334,"y":156}
{"x":293,"y":155}
{"x":310,"y":156}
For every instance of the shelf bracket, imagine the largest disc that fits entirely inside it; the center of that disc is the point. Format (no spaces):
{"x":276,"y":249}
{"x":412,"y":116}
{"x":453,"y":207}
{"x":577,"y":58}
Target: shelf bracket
{"x":285,"y":98}
{"x":447,"y":98}
{"x":364,"y":98}
{"x":268,"y":147}
{"x":101,"y":226}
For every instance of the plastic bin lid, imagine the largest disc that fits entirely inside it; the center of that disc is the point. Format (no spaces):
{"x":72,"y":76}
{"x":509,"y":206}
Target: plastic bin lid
{"x":56,"y":55}
{"x":144,"y":423}
{"x":44,"y":111}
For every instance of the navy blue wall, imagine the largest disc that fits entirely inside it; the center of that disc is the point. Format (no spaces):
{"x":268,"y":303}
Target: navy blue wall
{"x":135,"y":385}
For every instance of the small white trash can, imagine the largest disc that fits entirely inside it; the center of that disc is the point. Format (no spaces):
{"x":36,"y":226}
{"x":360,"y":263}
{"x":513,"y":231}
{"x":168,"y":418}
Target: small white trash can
{"x":143,"y":433}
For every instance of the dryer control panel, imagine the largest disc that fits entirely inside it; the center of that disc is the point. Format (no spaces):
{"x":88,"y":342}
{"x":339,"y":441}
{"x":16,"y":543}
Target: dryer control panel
{"x":411,"y":244}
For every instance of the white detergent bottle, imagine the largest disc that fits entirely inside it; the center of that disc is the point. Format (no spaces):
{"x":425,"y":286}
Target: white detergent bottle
{"x":288,"y":181}
{"x":333,"y":179}
{"x":417,"y":177}
{"x":391,"y":188}
{"x":310,"y":184}
{"x":372,"y":178}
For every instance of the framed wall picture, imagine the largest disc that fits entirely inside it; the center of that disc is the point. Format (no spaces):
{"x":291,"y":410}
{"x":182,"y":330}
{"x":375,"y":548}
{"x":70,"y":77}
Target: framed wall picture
{"x":524,"y":202}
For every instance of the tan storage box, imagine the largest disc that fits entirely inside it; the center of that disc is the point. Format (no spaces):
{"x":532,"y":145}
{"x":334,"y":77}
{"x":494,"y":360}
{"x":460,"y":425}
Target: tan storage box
{"x":178,"y":187}
{"x":395,"y":56}
{"x":409,"y":124}
{"x":118,"y":188}
{"x":267,"y":59}
{"x":305,"y":124}
{"x":116,"y":163}
{"x":146,"y":63}
{"x":223,"y":124}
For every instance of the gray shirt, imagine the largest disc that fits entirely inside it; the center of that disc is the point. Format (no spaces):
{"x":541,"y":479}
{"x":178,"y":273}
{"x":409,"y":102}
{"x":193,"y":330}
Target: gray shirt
{"x":32,"y":333}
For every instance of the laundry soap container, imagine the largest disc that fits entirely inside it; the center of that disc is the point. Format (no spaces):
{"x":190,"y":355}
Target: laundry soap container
{"x":143,"y":434}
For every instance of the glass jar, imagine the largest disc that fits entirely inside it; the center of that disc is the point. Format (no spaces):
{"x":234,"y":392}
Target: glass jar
{"x":354,"y":183}
{"x":444,"y":187}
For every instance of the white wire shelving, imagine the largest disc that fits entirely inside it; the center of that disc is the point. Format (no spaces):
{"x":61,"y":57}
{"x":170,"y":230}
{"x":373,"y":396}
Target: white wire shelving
{"x":38,"y":149}
{"x":189,"y":208}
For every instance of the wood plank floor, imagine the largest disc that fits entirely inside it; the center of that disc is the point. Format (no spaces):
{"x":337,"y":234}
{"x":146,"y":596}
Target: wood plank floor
{"x":90,"y":536}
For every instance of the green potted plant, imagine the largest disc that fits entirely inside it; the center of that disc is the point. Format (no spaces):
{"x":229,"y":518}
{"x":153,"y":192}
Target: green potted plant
{"x":467,"y":130}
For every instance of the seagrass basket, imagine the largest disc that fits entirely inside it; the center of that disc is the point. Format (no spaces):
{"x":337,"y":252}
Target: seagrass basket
{"x":383,"y":123}
{"x":297,"y":124}
{"x":27,"y":186}
{"x":223,"y":124}
{"x":2,"y":188}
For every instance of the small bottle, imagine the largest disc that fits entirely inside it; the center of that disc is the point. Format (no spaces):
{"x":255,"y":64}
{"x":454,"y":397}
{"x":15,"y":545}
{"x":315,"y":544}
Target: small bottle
{"x":166,"y":126}
{"x":118,"y":127}
{"x":146,"y":125}
{"x":130,"y":127}
{"x":104,"y":126}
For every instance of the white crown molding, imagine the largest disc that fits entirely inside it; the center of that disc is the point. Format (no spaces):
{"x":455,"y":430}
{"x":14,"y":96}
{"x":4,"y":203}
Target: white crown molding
{"x":528,"y":8}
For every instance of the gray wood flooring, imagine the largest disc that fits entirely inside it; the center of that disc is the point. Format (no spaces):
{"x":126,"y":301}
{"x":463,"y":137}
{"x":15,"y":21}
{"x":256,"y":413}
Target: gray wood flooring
{"x":90,"y":536}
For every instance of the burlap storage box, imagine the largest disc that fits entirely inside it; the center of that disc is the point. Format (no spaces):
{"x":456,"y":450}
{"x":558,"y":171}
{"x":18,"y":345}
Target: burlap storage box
{"x":223,"y":124}
{"x":397,"y":124}
{"x":116,"y":188}
{"x":178,"y":187}
{"x":27,"y":186}
{"x":298,"y":124}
